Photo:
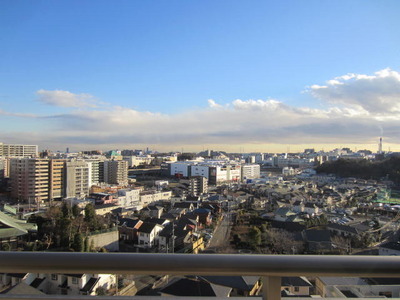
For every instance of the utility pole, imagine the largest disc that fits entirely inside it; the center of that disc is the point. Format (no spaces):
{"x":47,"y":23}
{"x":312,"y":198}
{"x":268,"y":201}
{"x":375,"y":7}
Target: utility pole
{"x":173,"y":237}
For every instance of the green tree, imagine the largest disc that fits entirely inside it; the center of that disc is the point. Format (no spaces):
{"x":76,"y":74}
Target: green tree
{"x":78,"y":244}
{"x":76,"y":211}
{"x":90,"y":217}
{"x":86,"y":245}
{"x":65,"y":210}
{"x":254,"y":236}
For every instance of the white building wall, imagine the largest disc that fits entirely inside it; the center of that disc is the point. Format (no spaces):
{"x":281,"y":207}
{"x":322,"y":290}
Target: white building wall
{"x":180,"y":168}
{"x":198,"y":170}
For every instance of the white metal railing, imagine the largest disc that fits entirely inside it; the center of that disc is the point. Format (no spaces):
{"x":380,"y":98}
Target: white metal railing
{"x":270,"y":267}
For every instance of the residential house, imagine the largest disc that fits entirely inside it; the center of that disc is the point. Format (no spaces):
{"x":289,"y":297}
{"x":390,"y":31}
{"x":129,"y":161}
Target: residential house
{"x":311,"y":209}
{"x":148,"y":234}
{"x":204,"y":215}
{"x":13,"y":230}
{"x":128,"y":229}
{"x":317,"y":240}
{"x":194,"y":287}
{"x":282,"y":213}
{"x":389,"y":248}
{"x":62,"y":284}
{"x":152,"y":211}
{"x":246,"y":286}
{"x":296,"y":286}
{"x":355,"y":287}
{"x":298,"y":206}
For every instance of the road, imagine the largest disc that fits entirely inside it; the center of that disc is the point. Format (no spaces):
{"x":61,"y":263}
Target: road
{"x":220,"y":239}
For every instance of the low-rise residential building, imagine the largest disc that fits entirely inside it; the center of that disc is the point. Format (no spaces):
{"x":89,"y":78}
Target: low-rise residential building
{"x":148,"y":234}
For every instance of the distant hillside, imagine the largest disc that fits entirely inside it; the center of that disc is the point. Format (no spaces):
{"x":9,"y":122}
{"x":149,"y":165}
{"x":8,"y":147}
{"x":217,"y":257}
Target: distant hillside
{"x":363,"y":168}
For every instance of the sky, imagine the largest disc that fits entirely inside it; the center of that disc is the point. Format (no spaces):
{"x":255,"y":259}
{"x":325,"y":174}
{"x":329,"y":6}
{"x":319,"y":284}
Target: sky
{"x":239,"y":76}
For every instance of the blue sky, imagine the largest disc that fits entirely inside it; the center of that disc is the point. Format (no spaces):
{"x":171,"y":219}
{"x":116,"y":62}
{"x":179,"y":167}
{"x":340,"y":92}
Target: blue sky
{"x":148,"y":69}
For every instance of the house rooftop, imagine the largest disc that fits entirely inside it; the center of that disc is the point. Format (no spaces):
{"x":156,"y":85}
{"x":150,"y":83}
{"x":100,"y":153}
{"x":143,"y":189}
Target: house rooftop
{"x":88,"y":287}
{"x":147,"y":227}
{"x":391,"y":245}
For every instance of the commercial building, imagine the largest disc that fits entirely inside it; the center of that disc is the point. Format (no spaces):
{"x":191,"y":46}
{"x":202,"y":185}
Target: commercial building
{"x":134,"y":161}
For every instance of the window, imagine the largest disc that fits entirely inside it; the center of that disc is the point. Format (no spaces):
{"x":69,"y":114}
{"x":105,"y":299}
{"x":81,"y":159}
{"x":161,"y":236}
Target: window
{"x":75,"y":280}
{"x":54,"y":277}
{"x":296,"y":289}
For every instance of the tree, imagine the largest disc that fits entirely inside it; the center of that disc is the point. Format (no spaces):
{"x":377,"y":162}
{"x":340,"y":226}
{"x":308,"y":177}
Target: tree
{"x":90,"y":217}
{"x":78,"y":244}
{"x":86,"y":245}
{"x":254,"y":237}
{"x":65,"y":210}
{"x":76,"y":211}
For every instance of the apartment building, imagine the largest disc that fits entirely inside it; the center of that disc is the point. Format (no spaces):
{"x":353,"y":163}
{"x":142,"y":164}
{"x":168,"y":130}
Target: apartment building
{"x":116,"y":172}
{"x":94,"y":174}
{"x":129,"y":198}
{"x":198,"y":185}
{"x":56,"y":178}
{"x":77,"y":179}
{"x":15,"y":150}
{"x":29,"y":179}
{"x":250,"y":171}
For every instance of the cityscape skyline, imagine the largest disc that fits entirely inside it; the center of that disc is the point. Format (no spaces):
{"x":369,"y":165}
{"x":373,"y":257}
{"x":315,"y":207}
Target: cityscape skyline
{"x":263,"y":77}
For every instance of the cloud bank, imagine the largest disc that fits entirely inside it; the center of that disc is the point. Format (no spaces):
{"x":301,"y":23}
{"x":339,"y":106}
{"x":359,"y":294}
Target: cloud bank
{"x":65,"y":99}
{"x":357,"y":108}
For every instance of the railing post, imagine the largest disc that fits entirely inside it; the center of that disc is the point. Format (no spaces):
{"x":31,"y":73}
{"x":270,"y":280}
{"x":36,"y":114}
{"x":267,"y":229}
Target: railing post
{"x":271,"y":289}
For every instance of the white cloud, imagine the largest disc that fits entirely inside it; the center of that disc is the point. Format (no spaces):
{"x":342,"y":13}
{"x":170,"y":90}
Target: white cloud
{"x":361,"y":106}
{"x":66,"y":98}
{"x":376,"y":94}
{"x":213,"y":104}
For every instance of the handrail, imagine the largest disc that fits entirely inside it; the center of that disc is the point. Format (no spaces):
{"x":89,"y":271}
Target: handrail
{"x":200,"y":264}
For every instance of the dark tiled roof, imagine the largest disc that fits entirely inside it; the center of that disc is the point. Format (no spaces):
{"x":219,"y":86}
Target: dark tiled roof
{"x":343,"y":228}
{"x":147,"y":227}
{"x":295,"y":281}
{"x":391,"y":245}
{"x":318,"y":235}
{"x":90,"y":285}
{"x":243,"y":283}
{"x":183,"y":204}
{"x":187,"y":287}
{"x":128,"y":222}
{"x":75,"y":275}
{"x":156,"y":221}
{"x":36,"y":282}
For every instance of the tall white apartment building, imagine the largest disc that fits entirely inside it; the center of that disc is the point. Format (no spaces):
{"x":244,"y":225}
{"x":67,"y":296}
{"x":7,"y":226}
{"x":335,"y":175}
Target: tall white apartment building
{"x":29,"y":179}
{"x":94,"y":175}
{"x":15,"y":150}
{"x":250,"y":171}
{"x":77,"y":179}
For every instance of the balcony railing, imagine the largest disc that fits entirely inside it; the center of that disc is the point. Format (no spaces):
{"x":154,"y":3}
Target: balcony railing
{"x":270,"y":267}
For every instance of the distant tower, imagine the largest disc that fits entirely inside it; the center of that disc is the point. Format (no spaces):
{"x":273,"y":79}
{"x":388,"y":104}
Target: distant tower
{"x":67,"y":150}
{"x":380,"y":146}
